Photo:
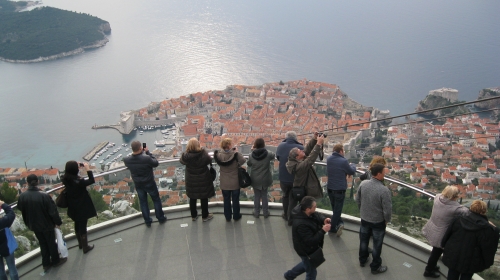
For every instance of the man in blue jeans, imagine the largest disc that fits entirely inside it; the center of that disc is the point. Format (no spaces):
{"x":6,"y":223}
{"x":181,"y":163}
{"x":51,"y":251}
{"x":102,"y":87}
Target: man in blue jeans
{"x":141,"y":164}
{"x":308,"y":231}
{"x":337,"y":169}
{"x":375,"y":204}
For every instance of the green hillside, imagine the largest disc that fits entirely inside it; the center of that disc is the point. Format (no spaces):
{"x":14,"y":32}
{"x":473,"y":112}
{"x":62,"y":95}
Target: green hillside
{"x":45,"y":32}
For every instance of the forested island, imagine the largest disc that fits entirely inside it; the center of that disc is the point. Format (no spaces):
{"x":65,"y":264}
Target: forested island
{"x":47,"y":33}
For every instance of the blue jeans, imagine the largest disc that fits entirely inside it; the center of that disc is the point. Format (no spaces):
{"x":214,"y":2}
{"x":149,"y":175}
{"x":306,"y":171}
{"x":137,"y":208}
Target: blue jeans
{"x":143,"y":201}
{"x":377,"y":231}
{"x":11,"y":264}
{"x":337,"y":201}
{"x":233,"y":195}
{"x":303,"y":266}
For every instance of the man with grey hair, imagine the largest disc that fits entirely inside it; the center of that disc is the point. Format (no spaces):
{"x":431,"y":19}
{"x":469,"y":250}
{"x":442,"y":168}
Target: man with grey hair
{"x":300,"y":164}
{"x":286,"y":179}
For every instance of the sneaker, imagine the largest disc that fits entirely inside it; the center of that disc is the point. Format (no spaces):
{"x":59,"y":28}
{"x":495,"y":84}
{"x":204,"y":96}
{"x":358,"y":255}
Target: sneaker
{"x":339,"y":231}
{"x":148,"y":225}
{"x":61,"y":261}
{"x":266,"y":215}
{"x":194,"y":218}
{"x":380,"y":269}
{"x":162,"y":221}
{"x":209,"y":217}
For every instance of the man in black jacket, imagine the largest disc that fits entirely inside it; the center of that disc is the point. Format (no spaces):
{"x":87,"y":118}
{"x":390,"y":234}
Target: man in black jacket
{"x":308,"y":231}
{"x":41,"y":216}
{"x":141,"y":164}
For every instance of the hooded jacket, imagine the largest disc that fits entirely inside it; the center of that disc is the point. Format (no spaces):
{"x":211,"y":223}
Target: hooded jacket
{"x":199,"y":184}
{"x":260,"y":168}
{"x":282,"y":153}
{"x":470,"y":244}
{"x":38,"y":210}
{"x":307,"y":232}
{"x":303,"y":170}
{"x":444,"y":211}
{"x":228,"y":164}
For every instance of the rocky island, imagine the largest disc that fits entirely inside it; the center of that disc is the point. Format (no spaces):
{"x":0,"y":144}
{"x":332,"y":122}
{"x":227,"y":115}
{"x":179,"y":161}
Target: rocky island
{"x":440,"y":98}
{"x":47,"y":33}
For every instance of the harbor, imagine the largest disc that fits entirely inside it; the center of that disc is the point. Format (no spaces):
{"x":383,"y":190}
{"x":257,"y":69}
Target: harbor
{"x":95,"y":150}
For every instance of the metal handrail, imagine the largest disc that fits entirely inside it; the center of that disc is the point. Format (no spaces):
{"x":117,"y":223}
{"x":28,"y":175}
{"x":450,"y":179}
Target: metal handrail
{"x":388,"y":178}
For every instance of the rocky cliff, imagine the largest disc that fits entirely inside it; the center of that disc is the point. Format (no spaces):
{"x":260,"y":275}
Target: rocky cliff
{"x":433,"y":101}
{"x":488,"y":93}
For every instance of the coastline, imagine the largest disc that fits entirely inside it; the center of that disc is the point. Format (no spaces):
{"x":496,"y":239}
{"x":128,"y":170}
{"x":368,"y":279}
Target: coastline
{"x":97,"y":44}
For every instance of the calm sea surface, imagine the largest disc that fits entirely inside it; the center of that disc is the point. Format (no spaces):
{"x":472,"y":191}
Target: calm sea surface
{"x":387,"y":54}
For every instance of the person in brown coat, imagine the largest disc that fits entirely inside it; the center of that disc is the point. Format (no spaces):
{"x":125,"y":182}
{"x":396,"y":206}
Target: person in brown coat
{"x":80,"y":206}
{"x":229,"y":159}
{"x":199,"y":184}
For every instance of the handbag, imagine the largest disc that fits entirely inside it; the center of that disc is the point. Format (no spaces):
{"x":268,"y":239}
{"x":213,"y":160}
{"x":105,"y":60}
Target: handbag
{"x":298,"y":192}
{"x":243,"y":176}
{"x":61,"y":200}
{"x":213,"y":172}
{"x":316,"y":258}
{"x":11,"y":241}
{"x":61,"y":244}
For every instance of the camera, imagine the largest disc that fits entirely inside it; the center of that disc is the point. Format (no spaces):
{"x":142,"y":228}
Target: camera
{"x":321,"y":133}
{"x":81,"y":164}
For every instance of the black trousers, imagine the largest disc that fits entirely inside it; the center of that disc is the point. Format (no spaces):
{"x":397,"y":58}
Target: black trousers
{"x":434,"y":258}
{"x":81,"y":226}
{"x":204,"y":207}
{"x":48,"y":247}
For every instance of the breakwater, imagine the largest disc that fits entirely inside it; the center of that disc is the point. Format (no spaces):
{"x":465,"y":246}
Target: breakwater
{"x":95,"y":150}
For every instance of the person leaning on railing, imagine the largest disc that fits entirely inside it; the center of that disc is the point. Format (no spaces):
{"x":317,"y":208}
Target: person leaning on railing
{"x":259,"y":162}
{"x":228,"y":160}
{"x":444,"y":210}
{"x":199,"y":184}
{"x":300,"y":164}
{"x":5,"y":252}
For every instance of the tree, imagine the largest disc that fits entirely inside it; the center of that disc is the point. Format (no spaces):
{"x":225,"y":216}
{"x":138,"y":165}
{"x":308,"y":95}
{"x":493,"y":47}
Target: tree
{"x":98,"y":201}
{"x":8,"y":194}
{"x":137,"y":206}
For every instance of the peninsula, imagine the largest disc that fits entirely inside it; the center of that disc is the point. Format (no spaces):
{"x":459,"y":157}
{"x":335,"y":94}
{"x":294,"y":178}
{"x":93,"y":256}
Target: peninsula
{"x":47,"y":33}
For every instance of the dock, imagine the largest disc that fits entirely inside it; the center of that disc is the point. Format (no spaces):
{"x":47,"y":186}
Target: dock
{"x":95,"y":150}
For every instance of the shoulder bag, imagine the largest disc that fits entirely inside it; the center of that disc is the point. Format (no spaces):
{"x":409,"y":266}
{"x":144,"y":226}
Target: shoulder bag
{"x":61,"y":200}
{"x":11,"y":241}
{"x":317,"y":258}
{"x":213,"y":172}
{"x":298,"y":192}
{"x":243,"y":176}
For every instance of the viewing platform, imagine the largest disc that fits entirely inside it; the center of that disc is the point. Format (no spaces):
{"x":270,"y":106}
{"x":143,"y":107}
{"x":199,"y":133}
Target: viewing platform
{"x":126,"y":249}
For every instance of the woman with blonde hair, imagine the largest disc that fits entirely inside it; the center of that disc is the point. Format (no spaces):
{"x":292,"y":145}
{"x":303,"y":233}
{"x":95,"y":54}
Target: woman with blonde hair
{"x":229,"y":160}
{"x":199,"y":184}
{"x":376,"y":159}
{"x":470,"y":243}
{"x":444,"y":210}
